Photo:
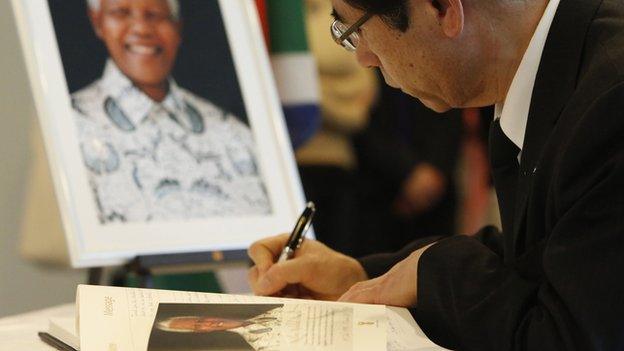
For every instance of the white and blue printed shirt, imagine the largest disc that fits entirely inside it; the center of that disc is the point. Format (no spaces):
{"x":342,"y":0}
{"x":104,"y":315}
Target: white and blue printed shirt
{"x":182,"y":158}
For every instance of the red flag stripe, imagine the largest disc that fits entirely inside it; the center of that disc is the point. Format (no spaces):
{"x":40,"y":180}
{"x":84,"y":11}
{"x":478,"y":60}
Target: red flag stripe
{"x":262,"y":12}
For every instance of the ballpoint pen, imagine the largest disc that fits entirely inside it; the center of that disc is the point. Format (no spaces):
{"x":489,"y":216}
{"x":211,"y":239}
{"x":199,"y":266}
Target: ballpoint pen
{"x":298,"y":234}
{"x":54,"y":342}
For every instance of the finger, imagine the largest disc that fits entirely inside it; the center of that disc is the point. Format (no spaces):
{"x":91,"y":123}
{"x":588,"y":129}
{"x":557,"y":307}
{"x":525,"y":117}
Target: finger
{"x":362,"y":292}
{"x":264,"y":252}
{"x":303,"y":293}
{"x":252,"y":275}
{"x":276,"y":278}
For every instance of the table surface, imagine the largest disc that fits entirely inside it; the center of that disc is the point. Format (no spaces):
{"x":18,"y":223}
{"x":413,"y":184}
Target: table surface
{"x":19,"y":332}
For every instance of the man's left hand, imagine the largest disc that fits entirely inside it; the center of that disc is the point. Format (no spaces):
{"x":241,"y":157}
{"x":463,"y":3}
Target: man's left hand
{"x":398,"y":287}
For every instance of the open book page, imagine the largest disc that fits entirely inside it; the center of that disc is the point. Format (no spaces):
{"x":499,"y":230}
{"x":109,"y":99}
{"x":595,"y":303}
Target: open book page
{"x":112,"y":318}
{"x":267,"y":327}
{"x":404,"y":334}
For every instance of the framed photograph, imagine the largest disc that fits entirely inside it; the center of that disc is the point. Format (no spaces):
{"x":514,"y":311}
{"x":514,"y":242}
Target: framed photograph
{"x":162,"y":125}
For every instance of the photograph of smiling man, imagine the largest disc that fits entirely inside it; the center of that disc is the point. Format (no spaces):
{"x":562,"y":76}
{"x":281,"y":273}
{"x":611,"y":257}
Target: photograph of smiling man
{"x":162,"y":126}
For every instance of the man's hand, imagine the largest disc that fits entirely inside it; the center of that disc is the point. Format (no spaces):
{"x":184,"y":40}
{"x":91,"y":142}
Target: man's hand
{"x":398,"y":287}
{"x":316,"y":271}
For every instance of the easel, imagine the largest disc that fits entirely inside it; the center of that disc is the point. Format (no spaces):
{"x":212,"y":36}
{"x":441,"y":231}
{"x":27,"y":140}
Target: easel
{"x":144,"y":267}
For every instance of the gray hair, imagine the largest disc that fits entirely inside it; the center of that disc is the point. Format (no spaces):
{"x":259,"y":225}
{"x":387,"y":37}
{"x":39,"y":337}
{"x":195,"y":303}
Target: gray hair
{"x":174,"y":6}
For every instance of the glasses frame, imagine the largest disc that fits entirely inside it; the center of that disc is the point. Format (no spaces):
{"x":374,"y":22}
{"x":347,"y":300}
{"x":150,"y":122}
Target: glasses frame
{"x":350,"y":31}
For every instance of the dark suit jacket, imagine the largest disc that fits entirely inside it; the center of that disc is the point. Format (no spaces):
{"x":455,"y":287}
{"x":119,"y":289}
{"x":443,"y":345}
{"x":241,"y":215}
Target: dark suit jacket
{"x":555,"y":279}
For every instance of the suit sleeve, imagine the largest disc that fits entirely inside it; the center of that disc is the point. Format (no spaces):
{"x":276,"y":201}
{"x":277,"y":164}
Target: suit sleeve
{"x":378,"y":264}
{"x":469,"y":299}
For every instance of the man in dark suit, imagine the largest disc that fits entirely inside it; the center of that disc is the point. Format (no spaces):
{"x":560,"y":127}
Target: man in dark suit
{"x":555,"y":70}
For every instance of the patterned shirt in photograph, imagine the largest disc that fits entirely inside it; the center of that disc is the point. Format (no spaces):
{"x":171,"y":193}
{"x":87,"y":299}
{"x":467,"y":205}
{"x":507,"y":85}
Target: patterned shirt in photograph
{"x":182,"y":158}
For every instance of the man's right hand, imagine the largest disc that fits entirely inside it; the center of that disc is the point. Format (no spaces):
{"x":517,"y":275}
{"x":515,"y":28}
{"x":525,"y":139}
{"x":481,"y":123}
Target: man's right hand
{"x":317,"y":271}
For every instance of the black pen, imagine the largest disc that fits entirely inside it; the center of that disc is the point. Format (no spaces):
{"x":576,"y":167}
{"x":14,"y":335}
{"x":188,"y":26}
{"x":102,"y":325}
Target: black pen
{"x":298,"y":234}
{"x":54,"y":342}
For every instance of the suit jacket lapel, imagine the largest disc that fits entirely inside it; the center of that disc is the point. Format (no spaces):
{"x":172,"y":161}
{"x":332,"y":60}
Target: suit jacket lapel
{"x":555,"y":82}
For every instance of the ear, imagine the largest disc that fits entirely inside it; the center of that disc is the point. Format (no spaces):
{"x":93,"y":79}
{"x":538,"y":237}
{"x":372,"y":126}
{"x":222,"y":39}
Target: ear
{"x":96,"y":21}
{"x":450,"y":16}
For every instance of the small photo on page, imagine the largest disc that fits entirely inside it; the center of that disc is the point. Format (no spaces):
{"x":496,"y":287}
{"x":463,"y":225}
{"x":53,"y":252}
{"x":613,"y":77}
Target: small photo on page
{"x":217,"y":327}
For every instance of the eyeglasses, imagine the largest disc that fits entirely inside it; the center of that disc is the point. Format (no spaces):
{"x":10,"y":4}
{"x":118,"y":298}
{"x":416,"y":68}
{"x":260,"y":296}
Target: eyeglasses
{"x":348,"y":37}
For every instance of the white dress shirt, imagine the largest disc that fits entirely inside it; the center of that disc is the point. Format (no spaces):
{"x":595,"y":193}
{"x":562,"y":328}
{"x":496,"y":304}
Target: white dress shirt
{"x":182,"y":158}
{"x":514,"y":111}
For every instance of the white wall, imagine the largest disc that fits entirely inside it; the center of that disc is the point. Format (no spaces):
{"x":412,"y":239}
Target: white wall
{"x":23,"y":286}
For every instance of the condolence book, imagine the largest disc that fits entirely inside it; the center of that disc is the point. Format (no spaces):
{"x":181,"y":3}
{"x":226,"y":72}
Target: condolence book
{"x":113,"y":318}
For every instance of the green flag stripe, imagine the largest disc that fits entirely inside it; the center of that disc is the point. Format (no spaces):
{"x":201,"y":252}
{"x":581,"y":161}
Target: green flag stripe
{"x":287,"y":26}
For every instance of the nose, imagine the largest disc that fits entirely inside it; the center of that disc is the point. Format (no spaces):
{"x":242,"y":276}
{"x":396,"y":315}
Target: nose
{"x":365,"y":56}
{"x":141,"y":24}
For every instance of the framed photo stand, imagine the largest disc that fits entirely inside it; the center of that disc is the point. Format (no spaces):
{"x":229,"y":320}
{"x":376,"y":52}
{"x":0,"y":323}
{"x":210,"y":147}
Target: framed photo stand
{"x":145,"y":268}
{"x":163,"y":129}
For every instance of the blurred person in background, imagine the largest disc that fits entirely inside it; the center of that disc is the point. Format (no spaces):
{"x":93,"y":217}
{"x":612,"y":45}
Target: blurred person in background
{"x":327,"y":162}
{"x":478,"y":205}
{"x":408,"y":156}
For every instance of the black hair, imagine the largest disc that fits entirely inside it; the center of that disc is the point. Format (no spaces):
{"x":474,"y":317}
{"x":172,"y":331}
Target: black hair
{"x":393,"y":12}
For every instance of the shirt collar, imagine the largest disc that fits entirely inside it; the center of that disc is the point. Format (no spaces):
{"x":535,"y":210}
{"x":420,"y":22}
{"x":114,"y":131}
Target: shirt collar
{"x":135,"y":104}
{"x":514,"y":111}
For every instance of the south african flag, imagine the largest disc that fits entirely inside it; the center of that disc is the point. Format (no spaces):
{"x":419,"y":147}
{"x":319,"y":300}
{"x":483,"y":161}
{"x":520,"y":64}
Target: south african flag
{"x":293,"y":65}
